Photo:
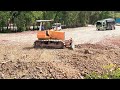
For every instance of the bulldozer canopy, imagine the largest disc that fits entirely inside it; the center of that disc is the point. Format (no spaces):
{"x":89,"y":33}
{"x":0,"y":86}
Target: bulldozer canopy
{"x":43,"y":20}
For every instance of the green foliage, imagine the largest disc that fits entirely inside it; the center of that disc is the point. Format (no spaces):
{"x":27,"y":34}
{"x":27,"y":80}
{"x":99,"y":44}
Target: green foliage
{"x":4,"y":16}
{"x":20,"y":21}
{"x":110,"y":74}
{"x":117,"y":15}
{"x":24,"y":19}
{"x":93,"y":75}
{"x":115,"y":74}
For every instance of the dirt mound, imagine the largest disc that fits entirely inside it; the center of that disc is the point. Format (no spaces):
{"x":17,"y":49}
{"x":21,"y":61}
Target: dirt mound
{"x":93,"y":46}
{"x":34,"y":70}
{"x":111,"y":42}
{"x":23,"y":61}
{"x":96,"y":58}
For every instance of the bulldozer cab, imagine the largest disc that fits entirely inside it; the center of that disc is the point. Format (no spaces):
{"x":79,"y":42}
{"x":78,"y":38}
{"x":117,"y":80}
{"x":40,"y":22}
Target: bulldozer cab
{"x":42,"y":24}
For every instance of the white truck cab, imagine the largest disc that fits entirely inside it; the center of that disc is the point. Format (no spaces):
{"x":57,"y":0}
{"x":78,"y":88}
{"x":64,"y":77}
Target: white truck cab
{"x":57,"y":26}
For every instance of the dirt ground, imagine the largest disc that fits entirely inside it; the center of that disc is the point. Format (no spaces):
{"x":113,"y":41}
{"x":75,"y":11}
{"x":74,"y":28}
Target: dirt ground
{"x":94,"y":50}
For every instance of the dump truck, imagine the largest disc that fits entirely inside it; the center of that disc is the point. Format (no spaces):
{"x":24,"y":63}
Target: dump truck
{"x":51,"y":38}
{"x":105,"y":24}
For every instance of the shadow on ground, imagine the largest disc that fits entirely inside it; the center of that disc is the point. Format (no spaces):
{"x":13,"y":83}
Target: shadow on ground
{"x":29,"y":48}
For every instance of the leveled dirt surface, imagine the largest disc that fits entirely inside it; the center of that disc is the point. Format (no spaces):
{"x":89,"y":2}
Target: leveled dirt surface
{"x":93,"y":51}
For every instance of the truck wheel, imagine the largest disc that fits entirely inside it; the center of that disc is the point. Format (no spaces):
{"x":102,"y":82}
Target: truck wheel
{"x":113,"y":28}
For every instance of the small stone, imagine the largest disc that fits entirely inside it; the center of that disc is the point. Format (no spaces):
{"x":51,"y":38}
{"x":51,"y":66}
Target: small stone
{"x":88,"y":52}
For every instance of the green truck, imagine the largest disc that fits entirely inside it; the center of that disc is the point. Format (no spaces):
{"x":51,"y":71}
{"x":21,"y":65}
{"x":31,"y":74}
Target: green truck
{"x":106,"y":24}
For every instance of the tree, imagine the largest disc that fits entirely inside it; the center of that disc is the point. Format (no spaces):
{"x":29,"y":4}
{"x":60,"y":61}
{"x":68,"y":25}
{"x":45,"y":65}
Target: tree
{"x":4,"y":16}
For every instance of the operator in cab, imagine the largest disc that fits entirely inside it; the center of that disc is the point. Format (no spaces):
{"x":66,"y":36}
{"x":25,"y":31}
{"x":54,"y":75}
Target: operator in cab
{"x":42,"y":28}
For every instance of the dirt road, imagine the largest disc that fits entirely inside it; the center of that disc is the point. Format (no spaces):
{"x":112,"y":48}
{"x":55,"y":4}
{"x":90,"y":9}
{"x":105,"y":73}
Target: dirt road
{"x":80,"y":35}
{"x":90,"y":34}
{"x":18,"y":58}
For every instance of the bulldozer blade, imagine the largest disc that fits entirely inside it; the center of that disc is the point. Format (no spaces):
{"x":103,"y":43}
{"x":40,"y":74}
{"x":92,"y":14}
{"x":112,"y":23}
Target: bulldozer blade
{"x":69,"y":44}
{"x":72,"y":46}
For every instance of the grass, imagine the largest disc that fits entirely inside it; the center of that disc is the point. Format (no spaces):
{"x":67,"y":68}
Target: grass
{"x":111,"y":74}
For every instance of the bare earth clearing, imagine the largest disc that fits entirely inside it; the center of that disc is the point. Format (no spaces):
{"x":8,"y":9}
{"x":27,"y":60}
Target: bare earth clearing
{"x":94,"y":50}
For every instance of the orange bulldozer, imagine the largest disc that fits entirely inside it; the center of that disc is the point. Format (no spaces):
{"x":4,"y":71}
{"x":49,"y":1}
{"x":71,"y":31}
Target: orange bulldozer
{"x":51,"y":38}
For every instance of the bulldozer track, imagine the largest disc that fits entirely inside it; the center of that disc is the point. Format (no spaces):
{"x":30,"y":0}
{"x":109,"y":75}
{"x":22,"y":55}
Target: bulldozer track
{"x":57,"y":44}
